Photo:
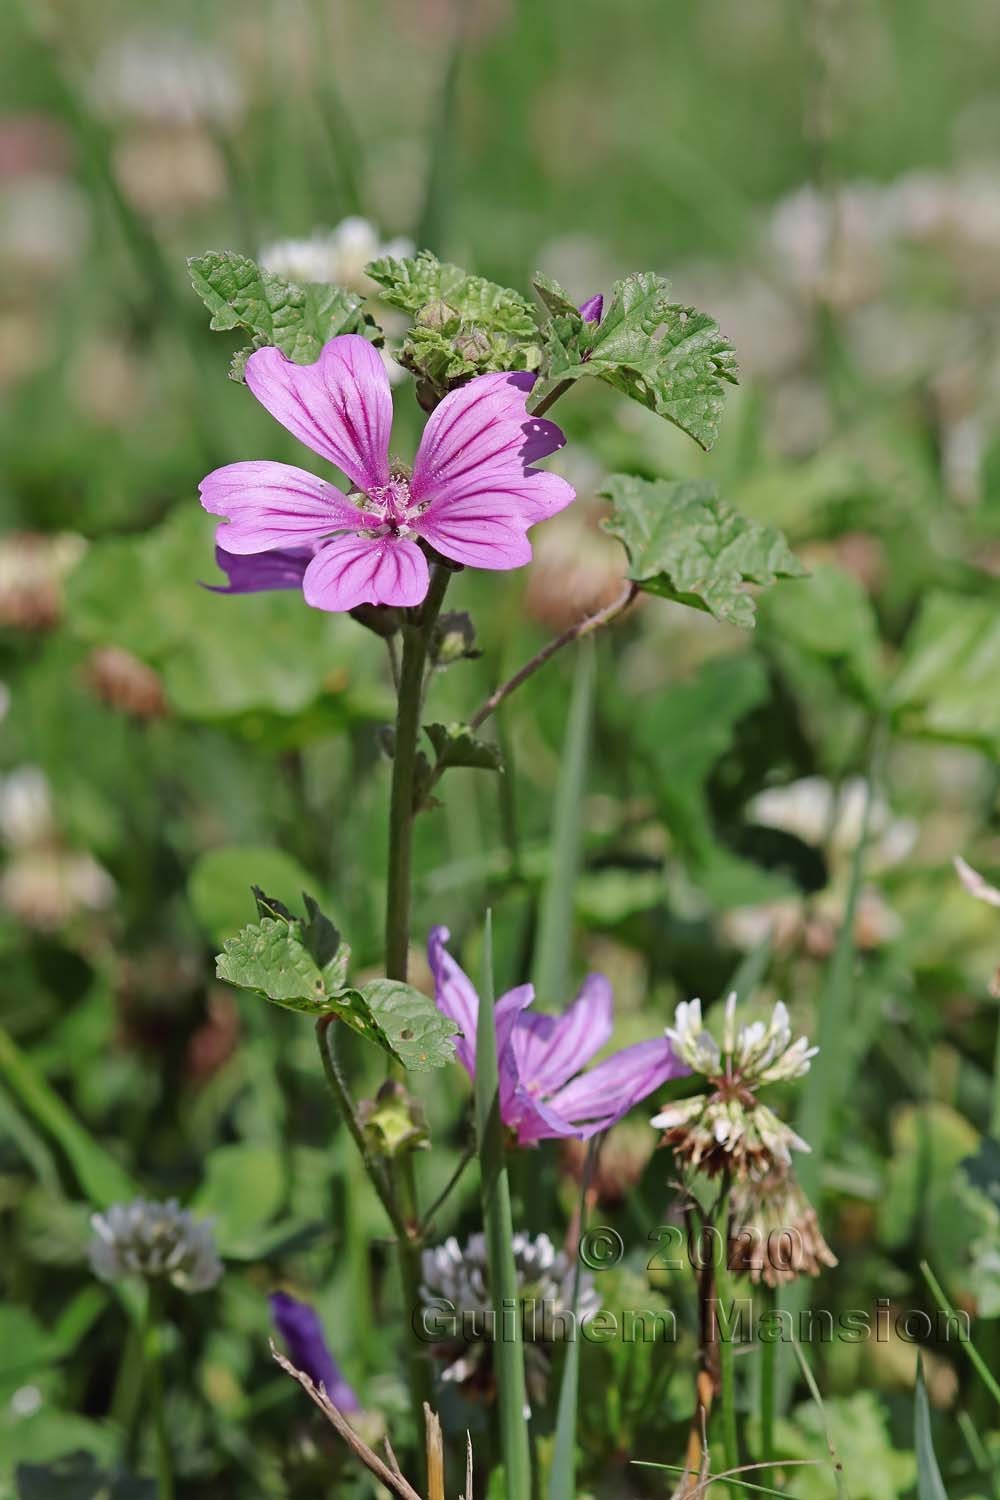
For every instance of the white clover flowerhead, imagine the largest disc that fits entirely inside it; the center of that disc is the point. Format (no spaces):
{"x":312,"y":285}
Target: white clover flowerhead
{"x":727,"y":1129}
{"x":457,"y":1277}
{"x":155,"y":1240}
{"x":336,"y":255}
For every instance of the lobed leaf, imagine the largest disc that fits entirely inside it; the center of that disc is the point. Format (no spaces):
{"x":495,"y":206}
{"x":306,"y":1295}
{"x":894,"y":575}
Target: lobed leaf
{"x":298,"y":320}
{"x":456,"y":745}
{"x":671,"y":358}
{"x":946,"y":686}
{"x":686,"y":543}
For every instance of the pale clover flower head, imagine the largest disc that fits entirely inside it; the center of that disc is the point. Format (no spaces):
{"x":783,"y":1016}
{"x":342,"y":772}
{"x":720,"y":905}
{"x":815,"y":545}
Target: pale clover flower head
{"x":775,"y":1234}
{"x":338,"y":256}
{"x":158,"y":1241}
{"x":455,"y":1285}
{"x":728,"y":1129}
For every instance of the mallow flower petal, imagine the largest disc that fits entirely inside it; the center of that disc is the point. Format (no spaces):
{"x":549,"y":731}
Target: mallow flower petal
{"x":454,"y":995}
{"x":472,"y":532}
{"x":352,"y":570}
{"x":550,"y":1050}
{"x":534,"y":1121}
{"x":260,"y":572}
{"x":618,"y":1082}
{"x":274,"y":505}
{"x":340,"y":406}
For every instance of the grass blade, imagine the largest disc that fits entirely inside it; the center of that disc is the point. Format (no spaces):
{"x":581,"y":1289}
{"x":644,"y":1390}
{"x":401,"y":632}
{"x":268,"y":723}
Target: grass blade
{"x":810,"y":1380}
{"x":555,"y":924}
{"x":562,"y":1475}
{"x":930,"y":1485}
{"x":441,"y":146}
{"x":940,"y":1297}
{"x":498,"y":1224}
{"x":100,"y":1176}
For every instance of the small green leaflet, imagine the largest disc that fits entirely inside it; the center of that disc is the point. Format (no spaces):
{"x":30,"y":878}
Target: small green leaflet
{"x":298,"y":320}
{"x":454,"y":745}
{"x":686,"y":543}
{"x":671,"y":358}
{"x":302,"y":965}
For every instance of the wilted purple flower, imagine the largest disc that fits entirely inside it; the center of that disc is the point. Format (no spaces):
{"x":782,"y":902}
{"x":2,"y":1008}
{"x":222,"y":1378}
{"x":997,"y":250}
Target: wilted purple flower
{"x":592,"y":311}
{"x":300,"y":1327}
{"x":539,"y":1056}
{"x":472,"y":494}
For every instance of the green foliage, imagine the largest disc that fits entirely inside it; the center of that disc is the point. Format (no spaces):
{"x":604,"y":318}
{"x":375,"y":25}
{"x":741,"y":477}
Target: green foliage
{"x":687,"y":544}
{"x":298,"y":320}
{"x":243,"y":1188}
{"x":873,"y":1468}
{"x":219,"y":657}
{"x":828,"y":619}
{"x":946,"y":685}
{"x":302,"y":966}
{"x":670,"y":358}
{"x":463,"y":325}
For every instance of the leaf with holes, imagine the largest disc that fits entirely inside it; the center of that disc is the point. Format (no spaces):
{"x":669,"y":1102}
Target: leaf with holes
{"x":671,"y":358}
{"x":415,"y":1030}
{"x":296,"y":319}
{"x":269,"y":957}
{"x":686,"y":543}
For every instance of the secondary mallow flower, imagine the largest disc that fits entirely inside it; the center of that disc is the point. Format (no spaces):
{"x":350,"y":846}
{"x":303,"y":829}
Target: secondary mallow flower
{"x":300,"y":1327}
{"x":472,"y":494}
{"x":155,"y":1240}
{"x":728,"y":1129}
{"x":543,"y":1094}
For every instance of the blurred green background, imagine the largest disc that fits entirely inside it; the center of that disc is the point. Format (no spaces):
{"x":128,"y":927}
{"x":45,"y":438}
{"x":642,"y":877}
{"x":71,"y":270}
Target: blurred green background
{"x":824,"y":178}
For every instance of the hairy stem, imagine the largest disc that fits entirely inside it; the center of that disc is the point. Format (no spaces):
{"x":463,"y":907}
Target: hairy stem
{"x":575,"y":632}
{"x":416,"y":640}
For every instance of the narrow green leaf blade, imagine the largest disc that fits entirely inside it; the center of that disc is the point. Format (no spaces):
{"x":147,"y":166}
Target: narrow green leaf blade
{"x":499,"y":1227}
{"x":930,"y":1485}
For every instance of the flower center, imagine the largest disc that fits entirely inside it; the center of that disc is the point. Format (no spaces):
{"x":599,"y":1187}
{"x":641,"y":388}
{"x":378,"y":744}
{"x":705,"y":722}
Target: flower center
{"x":391,"y":505}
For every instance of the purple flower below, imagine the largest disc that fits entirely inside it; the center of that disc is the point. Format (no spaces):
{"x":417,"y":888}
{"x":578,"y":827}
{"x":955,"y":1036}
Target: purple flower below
{"x":299,"y":1326}
{"x":543,"y":1094}
{"x":472,"y":494}
{"x":261,"y":572}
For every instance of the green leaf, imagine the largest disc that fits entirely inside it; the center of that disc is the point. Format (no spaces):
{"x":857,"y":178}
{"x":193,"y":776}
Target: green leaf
{"x":930,"y":1485}
{"x":102,"y":1178}
{"x":946,"y":686}
{"x":983,"y":1169}
{"x":830,"y":617}
{"x":456,"y":745}
{"x":250,"y":655}
{"x":303,"y":966}
{"x":687,"y":544}
{"x":413,"y":1028}
{"x":670,"y":358}
{"x":243,"y":1189}
{"x":298,"y":320}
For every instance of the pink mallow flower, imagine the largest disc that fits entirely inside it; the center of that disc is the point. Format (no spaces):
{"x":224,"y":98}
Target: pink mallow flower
{"x":539,"y":1057}
{"x":472,"y":494}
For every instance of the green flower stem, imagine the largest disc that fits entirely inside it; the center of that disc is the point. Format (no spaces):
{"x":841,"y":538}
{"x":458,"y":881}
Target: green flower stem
{"x":575,"y":633}
{"x":338,"y":1088}
{"x":416,"y":640}
{"x":153,"y":1359}
{"x":768,"y":1361}
{"x":724,"y":1298}
{"x":398,"y":1196}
